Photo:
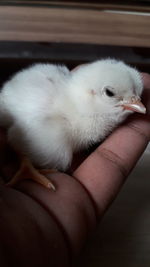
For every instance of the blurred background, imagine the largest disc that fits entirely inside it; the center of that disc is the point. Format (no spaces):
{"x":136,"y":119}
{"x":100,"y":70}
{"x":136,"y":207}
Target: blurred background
{"x":75,"y":32}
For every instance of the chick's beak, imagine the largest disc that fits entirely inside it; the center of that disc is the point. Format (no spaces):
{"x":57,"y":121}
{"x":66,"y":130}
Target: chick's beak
{"x":134,"y":104}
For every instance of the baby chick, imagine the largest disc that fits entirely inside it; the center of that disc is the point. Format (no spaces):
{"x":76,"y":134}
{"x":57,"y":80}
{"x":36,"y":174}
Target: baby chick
{"x":51,"y":112}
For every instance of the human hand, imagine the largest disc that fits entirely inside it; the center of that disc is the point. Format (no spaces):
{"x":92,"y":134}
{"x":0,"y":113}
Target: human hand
{"x":51,"y":227}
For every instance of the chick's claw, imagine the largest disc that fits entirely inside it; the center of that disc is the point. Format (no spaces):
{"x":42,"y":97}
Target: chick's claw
{"x":27,"y":171}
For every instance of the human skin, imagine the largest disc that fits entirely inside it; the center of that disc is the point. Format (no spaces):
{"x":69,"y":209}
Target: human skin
{"x":40,"y":227}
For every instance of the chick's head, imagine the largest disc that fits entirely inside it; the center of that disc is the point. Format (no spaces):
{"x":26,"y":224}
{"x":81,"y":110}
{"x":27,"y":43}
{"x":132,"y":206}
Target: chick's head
{"x":107,"y":86}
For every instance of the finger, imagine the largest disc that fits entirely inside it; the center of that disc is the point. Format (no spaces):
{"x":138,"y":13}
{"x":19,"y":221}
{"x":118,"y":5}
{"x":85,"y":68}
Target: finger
{"x":146,"y":80}
{"x":105,"y":170}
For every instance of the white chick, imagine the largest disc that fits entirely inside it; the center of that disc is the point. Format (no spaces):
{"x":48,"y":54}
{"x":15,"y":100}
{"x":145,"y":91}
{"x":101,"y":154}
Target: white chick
{"x":51,"y":112}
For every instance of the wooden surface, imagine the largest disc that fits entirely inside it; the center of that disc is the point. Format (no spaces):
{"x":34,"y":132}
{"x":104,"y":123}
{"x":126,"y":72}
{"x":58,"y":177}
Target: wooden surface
{"x":74,"y":25}
{"x":103,"y":5}
{"x":123,"y":236}
{"x":132,"y":5}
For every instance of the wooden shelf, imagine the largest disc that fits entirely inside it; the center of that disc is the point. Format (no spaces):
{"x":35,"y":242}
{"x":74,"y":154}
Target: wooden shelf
{"x":75,"y":25}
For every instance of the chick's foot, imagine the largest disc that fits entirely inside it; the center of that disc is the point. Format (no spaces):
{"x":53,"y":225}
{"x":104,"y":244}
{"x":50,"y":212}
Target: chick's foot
{"x":27,"y":171}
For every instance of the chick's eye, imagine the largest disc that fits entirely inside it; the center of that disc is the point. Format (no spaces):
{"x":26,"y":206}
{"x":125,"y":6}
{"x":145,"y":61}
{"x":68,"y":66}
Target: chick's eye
{"x":109,"y":92}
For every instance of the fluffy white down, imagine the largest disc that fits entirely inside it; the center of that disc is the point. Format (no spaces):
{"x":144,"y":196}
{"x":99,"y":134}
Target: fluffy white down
{"x":50,"y":112}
